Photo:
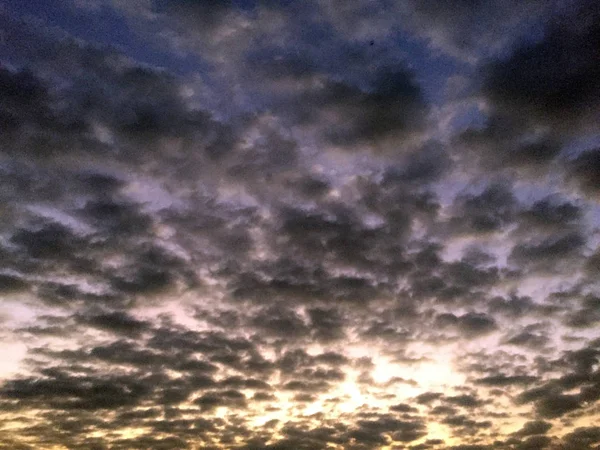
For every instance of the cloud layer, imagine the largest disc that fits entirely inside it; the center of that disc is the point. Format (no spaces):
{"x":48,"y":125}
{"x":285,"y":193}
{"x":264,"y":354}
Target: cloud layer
{"x":300,"y":225}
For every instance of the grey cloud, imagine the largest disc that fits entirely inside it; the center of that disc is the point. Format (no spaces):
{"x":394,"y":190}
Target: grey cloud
{"x":51,"y":241}
{"x":528,"y":339}
{"x":464,"y":422}
{"x":489,"y":211}
{"x":583,"y":437}
{"x":428,"y":397}
{"x":502,"y":380}
{"x":534,"y":427}
{"x":466,"y":29}
{"x":393,"y":107}
{"x":592,"y":265}
{"x":403,"y":408}
{"x":327,"y":324}
{"x":557,"y":405}
{"x":11,"y":283}
{"x":587,"y":315}
{"x":214,"y":399}
{"x":306,"y":386}
{"x":281,"y":322}
{"x":534,"y":442}
{"x":378,"y":114}
{"x":111,"y":108}
{"x":427,"y":164}
{"x":465,"y":400}
{"x":550,"y":214}
{"x":548,"y":254}
{"x":68,"y":393}
{"x":111,"y":216}
{"x":553,"y":399}
{"x":514,"y":306}
{"x":311,"y":186}
{"x":444,"y":410}
{"x":505,"y":142}
{"x":370,"y":430}
{"x":555,"y":75}
{"x":584,"y":171}
{"x":470,"y":324}
{"x":534,"y":89}
{"x":61,"y":294}
{"x":118,"y":322}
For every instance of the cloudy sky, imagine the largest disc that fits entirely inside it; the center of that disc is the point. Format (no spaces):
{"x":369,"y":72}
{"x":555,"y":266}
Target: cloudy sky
{"x":317,"y":224}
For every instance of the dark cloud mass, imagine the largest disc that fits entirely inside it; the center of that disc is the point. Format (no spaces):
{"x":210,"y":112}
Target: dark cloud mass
{"x":300,"y":225}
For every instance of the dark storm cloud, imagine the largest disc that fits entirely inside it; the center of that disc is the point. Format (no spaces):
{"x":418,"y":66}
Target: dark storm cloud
{"x":26,"y":103}
{"x":311,"y":186}
{"x":61,"y":294}
{"x":83,"y":385}
{"x":201,"y":15}
{"x":557,"y":405}
{"x":111,"y":216}
{"x":108,"y":109}
{"x":318,"y":241}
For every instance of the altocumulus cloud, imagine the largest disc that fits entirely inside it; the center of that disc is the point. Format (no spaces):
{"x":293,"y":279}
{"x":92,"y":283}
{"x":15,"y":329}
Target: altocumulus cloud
{"x":300,"y":225}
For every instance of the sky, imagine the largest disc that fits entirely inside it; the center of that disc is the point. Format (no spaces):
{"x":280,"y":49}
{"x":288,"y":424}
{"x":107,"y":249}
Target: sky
{"x":317,"y":224}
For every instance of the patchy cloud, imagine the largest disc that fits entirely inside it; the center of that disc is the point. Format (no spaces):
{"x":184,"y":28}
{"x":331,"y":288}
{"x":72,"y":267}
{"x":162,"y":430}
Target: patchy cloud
{"x":273,"y":225}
